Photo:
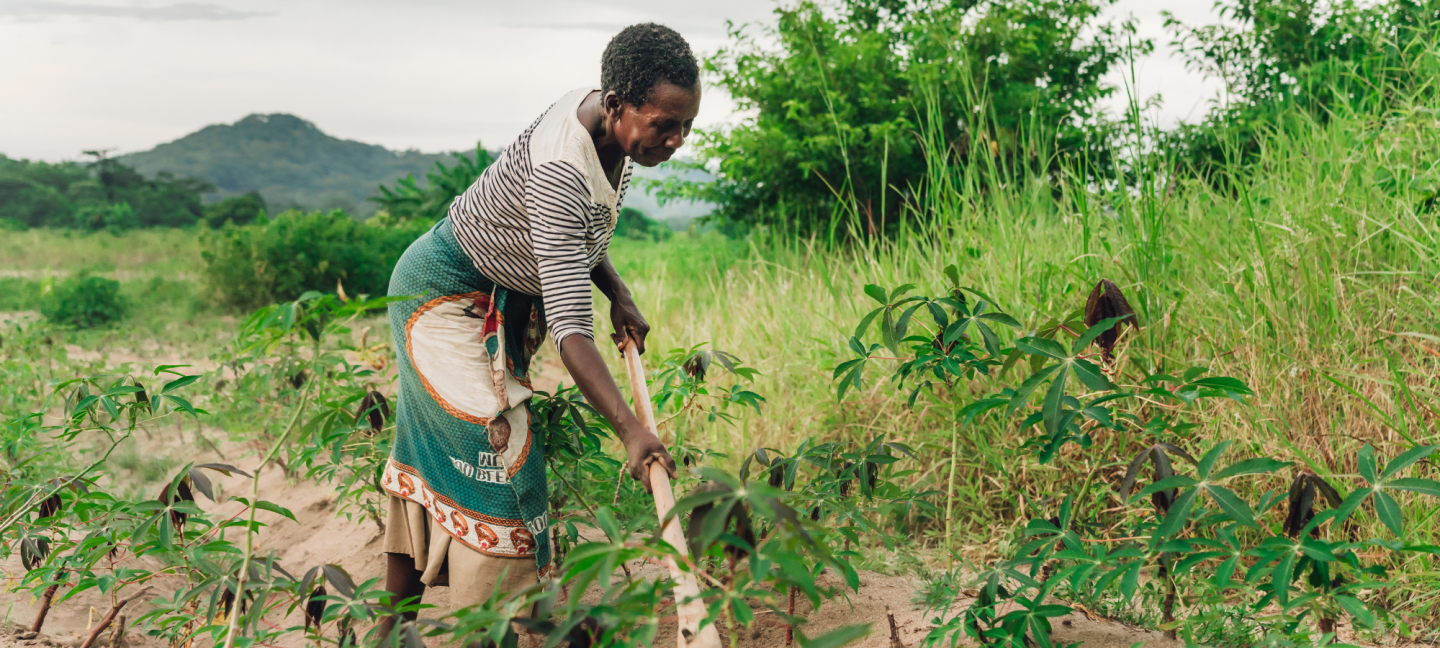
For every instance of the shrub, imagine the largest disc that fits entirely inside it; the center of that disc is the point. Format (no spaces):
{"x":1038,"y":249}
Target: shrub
{"x":111,"y":216}
{"x":240,"y":210}
{"x":278,"y":260}
{"x":85,"y":301}
{"x":634,"y":224}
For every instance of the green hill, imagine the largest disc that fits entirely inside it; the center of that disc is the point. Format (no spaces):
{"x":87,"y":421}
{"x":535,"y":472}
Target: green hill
{"x":288,"y":160}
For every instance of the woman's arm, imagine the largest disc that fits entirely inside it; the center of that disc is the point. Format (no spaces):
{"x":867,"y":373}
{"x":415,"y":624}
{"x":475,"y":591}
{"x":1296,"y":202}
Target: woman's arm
{"x":558,"y":200}
{"x":624,"y":314}
{"x":588,"y":369}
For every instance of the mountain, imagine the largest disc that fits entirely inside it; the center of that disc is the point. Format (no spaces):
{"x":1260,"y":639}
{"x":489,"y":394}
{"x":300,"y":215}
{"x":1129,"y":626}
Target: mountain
{"x":292,"y":163}
{"x":288,"y":160}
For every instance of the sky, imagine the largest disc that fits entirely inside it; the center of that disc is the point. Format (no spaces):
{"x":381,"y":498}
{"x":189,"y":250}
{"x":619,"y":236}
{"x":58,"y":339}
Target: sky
{"x":433,"y":75}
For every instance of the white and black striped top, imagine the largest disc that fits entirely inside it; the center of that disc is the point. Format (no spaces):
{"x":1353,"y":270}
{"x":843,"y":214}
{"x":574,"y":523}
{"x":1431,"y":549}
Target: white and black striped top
{"x":541,"y":217}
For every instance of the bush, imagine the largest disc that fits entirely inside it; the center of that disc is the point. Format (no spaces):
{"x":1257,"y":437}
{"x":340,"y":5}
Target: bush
{"x":240,"y":210}
{"x":278,"y":260}
{"x":634,"y":224}
{"x":85,"y":301}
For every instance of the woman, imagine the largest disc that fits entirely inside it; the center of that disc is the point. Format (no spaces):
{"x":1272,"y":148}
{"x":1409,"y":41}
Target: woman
{"x":514,"y":260}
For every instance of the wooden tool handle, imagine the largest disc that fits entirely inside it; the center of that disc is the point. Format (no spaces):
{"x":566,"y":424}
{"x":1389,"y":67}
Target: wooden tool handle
{"x":690,"y":614}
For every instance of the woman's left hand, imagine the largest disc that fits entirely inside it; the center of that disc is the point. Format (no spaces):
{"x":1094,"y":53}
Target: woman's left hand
{"x":628,"y":321}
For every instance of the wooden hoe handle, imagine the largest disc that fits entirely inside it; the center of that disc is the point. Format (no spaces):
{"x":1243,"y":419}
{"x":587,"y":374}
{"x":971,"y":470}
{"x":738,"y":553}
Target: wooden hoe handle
{"x":692,"y":612}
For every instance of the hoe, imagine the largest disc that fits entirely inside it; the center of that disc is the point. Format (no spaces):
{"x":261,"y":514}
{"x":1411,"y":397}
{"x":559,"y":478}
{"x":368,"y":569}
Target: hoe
{"x":691,"y":609}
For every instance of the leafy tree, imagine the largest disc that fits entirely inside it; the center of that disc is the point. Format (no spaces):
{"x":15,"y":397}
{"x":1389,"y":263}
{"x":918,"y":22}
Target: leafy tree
{"x":165,"y":201}
{"x":239,"y":210}
{"x":1278,"y":55}
{"x":35,"y":193}
{"x":837,"y":106}
{"x":101,"y":194}
{"x":408,"y":201}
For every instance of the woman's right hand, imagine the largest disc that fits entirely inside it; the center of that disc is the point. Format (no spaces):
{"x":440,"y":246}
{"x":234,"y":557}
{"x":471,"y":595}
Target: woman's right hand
{"x":643,"y":448}
{"x":588,"y":369}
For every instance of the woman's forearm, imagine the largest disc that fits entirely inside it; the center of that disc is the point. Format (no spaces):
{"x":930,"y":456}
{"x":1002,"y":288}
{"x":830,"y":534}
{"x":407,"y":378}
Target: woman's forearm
{"x":608,"y":280}
{"x":592,"y":376}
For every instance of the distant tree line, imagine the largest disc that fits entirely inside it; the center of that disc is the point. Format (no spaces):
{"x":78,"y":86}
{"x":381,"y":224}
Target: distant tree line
{"x":104,"y":194}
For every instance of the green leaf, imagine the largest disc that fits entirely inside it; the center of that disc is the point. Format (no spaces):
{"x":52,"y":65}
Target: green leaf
{"x":1423,"y":486}
{"x":999,"y":318}
{"x":1355,"y":499}
{"x":1225,"y":383}
{"x":1131,"y":580}
{"x":1208,"y":461}
{"x":1029,"y":386}
{"x":865,"y":322}
{"x":178,"y":383}
{"x":937,"y":313}
{"x":1091,"y":376}
{"x":1093,"y":332}
{"x":1041,"y":347}
{"x":895,"y":294}
{"x":842,"y":636}
{"x":1179,"y":514}
{"x":1231,"y":504}
{"x":992,"y":343}
{"x":1367,"y":463}
{"x":1225,"y":571}
{"x":952,"y":272}
{"x":1407,"y":459}
{"x":1054,"y":399}
{"x":876,"y":292}
{"x":1357,"y":609}
{"x":1282,"y":576}
{"x":275,"y":508}
{"x":1256,"y":466}
{"x":1389,"y":512}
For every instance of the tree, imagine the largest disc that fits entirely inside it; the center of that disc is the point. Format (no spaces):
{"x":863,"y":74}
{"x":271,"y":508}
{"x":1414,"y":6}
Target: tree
{"x":409,"y":201}
{"x":239,"y":210}
{"x":837,"y":107}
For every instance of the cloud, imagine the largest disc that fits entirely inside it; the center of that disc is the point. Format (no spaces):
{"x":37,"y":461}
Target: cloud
{"x":42,"y":9}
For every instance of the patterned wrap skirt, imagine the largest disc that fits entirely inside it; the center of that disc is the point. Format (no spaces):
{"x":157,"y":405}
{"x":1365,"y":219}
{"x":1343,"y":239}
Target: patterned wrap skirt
{"x":464,"y":450}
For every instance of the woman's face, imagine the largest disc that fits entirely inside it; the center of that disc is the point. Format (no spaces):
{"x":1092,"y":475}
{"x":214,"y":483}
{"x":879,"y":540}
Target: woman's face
{"x":651,"y":133}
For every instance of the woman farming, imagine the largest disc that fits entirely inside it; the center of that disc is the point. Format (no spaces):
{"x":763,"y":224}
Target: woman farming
{"x":514,"y":260}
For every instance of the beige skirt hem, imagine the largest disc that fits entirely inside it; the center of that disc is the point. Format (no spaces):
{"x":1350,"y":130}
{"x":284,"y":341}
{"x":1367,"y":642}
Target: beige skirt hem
{"x":470,"y":575}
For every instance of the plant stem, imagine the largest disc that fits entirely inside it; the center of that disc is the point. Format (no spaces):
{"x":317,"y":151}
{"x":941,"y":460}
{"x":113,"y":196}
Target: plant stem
{"x":44,"y":607}
{"x":36,"y":500}
{"x":250,"y":527}
{"x":586,"y":504}
{"x":950,"y":492}
{"x":105,"y":622}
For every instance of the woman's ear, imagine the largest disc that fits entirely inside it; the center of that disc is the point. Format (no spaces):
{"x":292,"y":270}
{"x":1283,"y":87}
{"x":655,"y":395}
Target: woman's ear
{"x":612,"y":105}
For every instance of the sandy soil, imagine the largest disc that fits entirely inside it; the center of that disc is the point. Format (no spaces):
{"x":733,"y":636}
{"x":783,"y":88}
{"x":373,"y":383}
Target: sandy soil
{"x":321,"y":536}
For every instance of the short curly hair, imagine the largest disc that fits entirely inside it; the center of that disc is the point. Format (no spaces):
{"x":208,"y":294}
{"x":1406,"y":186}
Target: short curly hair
{"x":642,"y":55}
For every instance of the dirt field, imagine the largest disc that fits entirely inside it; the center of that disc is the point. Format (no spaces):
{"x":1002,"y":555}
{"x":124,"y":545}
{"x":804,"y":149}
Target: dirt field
{"x":322,"y":537}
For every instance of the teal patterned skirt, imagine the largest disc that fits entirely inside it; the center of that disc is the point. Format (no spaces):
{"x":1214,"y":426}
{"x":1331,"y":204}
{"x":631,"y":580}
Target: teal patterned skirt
{"x":464,"y":448}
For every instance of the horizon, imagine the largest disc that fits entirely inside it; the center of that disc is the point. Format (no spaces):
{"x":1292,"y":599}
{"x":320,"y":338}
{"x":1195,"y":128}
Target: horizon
{"x":266,"y":57}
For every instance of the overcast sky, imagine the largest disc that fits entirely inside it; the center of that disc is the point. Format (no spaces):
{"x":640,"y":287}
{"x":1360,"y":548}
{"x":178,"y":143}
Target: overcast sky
{"x":426,"y":74}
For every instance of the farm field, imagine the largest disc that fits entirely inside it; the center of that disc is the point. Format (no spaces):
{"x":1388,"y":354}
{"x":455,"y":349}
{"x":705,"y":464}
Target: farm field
{"x":1314,"y":289}
{"x":961,"y":357}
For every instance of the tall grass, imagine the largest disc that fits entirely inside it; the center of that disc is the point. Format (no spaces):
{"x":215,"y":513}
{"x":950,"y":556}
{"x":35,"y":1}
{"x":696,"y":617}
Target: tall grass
{"x":1310,"y":280}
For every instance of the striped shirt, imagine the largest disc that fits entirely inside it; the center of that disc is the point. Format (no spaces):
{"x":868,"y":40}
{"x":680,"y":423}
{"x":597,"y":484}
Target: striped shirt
{"x":541,"y":217}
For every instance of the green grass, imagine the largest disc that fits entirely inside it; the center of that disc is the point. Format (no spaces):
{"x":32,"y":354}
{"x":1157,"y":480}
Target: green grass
{"x":1304,"y":285}
{"x":137,"y":254}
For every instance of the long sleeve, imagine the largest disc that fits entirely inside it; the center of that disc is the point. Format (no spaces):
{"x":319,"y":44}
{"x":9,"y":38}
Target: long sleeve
{"x":557,"y":201}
